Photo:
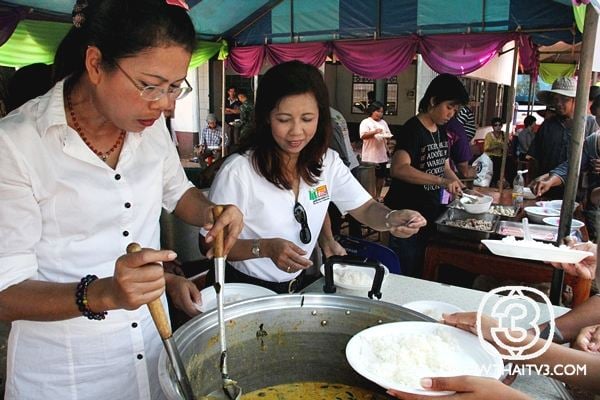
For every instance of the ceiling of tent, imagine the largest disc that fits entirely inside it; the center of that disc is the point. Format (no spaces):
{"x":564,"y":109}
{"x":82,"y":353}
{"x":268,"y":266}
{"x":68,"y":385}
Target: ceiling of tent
{"x":250,"y":22}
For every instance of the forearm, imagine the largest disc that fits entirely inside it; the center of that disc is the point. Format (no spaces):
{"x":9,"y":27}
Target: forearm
{"x":194,"y":208}
{"x":49,"y":301}
{"x":372,"y":214}
{"x":368,"y":134}
{"x":581,"y":316}
{"x":449,"y":173}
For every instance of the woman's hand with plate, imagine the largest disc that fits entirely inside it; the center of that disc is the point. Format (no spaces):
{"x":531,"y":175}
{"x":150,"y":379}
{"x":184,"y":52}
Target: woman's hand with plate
{"x":586,"y":268}
{"x":466,"y":387}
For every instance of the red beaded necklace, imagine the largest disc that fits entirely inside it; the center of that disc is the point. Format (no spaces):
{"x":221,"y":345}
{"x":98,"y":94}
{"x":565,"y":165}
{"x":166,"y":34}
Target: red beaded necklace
{"x":103,"y":155}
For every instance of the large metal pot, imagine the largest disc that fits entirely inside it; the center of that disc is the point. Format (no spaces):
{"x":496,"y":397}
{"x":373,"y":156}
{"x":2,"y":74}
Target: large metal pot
{"x":279,"y":339}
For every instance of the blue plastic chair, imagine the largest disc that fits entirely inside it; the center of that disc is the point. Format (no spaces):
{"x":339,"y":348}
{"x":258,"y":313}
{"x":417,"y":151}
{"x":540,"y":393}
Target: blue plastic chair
{"x":372,"y":250}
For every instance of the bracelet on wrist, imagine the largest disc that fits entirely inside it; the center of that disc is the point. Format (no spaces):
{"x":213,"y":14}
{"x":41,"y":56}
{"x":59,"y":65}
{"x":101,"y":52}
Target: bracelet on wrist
{"x":82,"y":301}
{"x":387,"y":219}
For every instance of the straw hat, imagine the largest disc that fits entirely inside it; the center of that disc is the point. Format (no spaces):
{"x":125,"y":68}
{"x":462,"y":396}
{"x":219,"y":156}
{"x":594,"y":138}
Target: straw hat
{"x":563,"y":85}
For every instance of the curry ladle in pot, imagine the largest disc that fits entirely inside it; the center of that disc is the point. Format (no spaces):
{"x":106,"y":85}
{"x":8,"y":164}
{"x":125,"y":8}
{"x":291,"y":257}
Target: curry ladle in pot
{"x":164,"y":329}
{"x":231,"y":389}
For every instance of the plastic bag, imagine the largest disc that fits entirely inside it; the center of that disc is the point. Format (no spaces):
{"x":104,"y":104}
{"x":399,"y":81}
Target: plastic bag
{"x":485,"y":170}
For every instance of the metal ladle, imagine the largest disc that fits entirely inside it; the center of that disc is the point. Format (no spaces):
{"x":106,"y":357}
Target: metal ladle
{"x":164,"y":329}
{"x":231,"y":390}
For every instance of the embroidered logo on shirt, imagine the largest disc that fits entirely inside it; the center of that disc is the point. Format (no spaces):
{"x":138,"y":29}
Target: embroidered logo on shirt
{"x":318,"y":194}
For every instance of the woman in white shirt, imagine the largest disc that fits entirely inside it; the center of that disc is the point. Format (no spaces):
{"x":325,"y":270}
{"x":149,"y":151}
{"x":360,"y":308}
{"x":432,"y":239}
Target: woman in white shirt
{"x":374,"y":132}
{"x":85,"y":170}
{"x":284,"y":178}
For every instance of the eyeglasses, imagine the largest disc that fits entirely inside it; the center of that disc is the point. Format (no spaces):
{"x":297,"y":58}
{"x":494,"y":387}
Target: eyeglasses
{"x":300,"y":215}
{"x":154,"y":93}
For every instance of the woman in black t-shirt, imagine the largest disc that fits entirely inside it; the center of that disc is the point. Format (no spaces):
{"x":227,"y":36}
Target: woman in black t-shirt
{"x":420,"y":166}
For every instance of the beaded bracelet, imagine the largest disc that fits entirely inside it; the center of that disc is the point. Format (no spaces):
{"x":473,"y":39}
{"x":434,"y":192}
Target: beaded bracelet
{"x":82,"y":301}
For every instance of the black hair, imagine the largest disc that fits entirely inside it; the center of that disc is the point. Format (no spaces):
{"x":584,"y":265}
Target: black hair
{"x":496,"y":120}
{"x":243,"y":92}
{"x":288,"y":79}
{"x":120,"y":29}
{"x":444,"y":87}
{"x":27,"y":83}
{"x":374,"y":106}
{"x":594,"y":92}
{"x":529,"y":120}
{"x":595,"y":105}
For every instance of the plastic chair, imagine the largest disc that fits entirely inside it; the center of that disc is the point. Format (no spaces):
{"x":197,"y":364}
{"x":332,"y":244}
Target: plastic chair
{"x":372,"y":250}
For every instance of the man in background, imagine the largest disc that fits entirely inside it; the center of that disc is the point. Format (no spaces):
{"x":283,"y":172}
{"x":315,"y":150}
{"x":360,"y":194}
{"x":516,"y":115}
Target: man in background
{"x":467,"y":119}
{"x":246,"y":113}
{"x":212,"y":139}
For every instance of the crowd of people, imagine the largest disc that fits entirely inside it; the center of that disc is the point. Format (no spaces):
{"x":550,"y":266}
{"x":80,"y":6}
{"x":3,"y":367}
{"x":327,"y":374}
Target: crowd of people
{"x":87,"y":165}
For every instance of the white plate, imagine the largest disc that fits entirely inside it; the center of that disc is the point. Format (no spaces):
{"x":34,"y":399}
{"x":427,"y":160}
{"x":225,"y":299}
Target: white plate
{"x":403,"y":344}
{"x":353,"y":277}
{"x":535,"y":251}
{"x":232,"y":292}
{"x":528,"y":194}
{"x":556,"y":204}
{"x":433,"y":309}
{"x":554,"y":221}
{"x":387,"y":136}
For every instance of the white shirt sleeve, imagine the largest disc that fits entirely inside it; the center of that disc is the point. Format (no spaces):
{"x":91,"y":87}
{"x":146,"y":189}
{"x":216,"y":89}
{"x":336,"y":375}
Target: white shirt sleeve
{"x":364,"y":127}
{"x":347,"y":193}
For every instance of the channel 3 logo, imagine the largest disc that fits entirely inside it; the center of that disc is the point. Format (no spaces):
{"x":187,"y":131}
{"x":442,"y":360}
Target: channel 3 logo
{"x":515,"y":313}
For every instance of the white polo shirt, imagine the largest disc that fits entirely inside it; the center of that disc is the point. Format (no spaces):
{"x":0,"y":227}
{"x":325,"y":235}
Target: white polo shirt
{"x":65,"y":214}
{"x":268,"y":210}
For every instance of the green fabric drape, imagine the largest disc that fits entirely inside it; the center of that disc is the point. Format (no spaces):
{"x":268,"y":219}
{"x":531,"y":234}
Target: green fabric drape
{"x":32,"y":42}
{"x":206,"y":50}
{"x":579,"y":14}
{"x":37,"y":41}
{"x":550,"y":72}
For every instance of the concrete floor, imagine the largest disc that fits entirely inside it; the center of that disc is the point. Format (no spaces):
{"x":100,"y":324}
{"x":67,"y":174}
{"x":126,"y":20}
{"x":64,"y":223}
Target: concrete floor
{"x":4,"y":328}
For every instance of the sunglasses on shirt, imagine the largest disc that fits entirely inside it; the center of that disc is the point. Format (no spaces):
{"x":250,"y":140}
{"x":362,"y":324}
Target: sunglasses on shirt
{"x":300,"y":215}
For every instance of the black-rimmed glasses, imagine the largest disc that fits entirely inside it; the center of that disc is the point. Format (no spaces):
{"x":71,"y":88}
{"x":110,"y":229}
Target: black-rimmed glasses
{"x":300,"y":215}
{"x":154,"y":93}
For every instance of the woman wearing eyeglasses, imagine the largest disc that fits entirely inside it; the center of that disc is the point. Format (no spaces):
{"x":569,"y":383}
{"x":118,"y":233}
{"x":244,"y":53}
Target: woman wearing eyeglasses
{"x":284,"y":178}
{"x":84,"y":171}
{"x":493,"y":145}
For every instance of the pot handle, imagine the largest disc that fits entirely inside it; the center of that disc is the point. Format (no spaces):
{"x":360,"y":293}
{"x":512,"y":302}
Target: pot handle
{"x":329,"y":286}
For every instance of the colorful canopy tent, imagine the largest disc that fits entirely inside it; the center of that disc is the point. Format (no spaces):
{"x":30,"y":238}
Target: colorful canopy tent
{"x":272,"y":22}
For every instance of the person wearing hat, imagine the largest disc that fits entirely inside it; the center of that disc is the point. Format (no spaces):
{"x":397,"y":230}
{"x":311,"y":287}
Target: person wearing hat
{"x":591,"y":120}
{"x":212,"y":134}
{"x":550,"y":145}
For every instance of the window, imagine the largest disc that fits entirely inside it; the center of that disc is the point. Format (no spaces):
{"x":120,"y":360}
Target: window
{"x":363,"y":93}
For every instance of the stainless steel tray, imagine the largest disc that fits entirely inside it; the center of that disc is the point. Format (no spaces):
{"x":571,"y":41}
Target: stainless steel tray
{"x":544,"y":233}
{"x":455,"y":214}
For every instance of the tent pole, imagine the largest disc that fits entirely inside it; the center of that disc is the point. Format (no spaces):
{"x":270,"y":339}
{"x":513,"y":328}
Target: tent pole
{"x":509,"y":116}
{"x":577,"y":138}
{"x":223,"y":126}
{"x":531,"y":95}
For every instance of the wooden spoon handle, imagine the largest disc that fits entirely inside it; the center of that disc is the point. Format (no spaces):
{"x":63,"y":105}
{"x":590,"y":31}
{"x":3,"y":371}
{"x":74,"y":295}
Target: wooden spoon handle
{"x":155,"y":306}
{"x":219,"y":239}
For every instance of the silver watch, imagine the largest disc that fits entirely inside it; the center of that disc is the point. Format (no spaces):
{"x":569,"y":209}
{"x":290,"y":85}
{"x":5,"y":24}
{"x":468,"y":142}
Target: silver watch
{"x":256,"y":248}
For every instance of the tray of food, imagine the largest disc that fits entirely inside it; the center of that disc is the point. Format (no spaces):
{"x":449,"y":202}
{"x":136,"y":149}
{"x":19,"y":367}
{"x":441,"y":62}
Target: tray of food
{"x":504,"y":211}
{"x":461,"y":224}
{"x":545,"y":233}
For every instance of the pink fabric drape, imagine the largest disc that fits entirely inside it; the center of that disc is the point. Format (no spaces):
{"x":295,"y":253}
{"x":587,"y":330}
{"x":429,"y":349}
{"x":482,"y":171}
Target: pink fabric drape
{"x":376,"y":58}
{"x":313,"y":53}
{"x":247,"y":61}
{"x":461,"y":54}
{"x":457,"y":54}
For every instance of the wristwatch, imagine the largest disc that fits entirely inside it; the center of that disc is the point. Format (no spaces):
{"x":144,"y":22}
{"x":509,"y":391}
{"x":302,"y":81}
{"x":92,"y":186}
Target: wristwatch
{"x":256,"y":248}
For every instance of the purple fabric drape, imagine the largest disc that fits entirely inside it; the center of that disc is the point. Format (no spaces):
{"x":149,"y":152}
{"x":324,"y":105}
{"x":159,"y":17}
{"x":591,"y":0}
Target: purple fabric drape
{"x":528,"y":55}
{"x":456,"y":54}
{"x":9,"y":21}
{"x":461,"y":54}
{"x":246,"y":61}
{"x":313,"y":53}
{"x":376,"y":58}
